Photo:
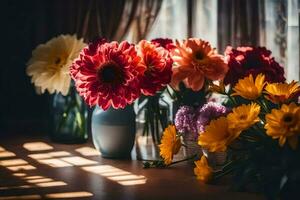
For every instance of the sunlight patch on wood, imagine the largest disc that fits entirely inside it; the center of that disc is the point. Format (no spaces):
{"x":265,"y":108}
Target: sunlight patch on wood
{"x":19,"y":174}
{"x":41,"y":180}
{"x":51,"y":184}
{"x":21,"y":197}
{"x":33,"y":177}
{"x":12,"y":162}
{"x":6,"y":154}
{"x":21,"y":167}
{"x":67,"y":195}
{"x":49,"y":155}
{"x":54,"y":162}
{"x":88,"y":151}
{"x":78,"y":161}
{"x":120,"y":176}
{"x":37,"y":146}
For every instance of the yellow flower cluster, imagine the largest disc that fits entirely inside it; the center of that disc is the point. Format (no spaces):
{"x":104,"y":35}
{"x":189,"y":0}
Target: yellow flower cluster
{"x":282,"y":124}
{"x":224,"y":130}
{"x":275,"y":92}
{"x":271,"y":110}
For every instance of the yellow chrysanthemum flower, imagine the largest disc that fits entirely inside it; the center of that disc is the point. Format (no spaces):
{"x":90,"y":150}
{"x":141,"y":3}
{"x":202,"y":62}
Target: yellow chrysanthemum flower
{"x":50,"y":62}
{"x":248,"y":88}
{"x":202,"y":170}
{"x":170,"y":144}
{"x":217,"y":135}
{"x":243,"y":117}
{"x":284,"y":124}
{"x":281,"y":92}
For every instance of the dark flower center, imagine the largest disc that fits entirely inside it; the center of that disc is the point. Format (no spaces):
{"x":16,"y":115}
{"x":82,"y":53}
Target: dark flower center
{"x":243,"y":117}
{"x":57,"y":61}
{"x":110,"y":72}
{"x":199,"y":55}
{"x":288,"y":118}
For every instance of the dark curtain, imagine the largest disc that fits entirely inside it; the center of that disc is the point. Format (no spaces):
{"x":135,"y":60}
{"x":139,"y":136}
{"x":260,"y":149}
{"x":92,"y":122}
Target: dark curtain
{"x":25,"y":24}
{"x":240,"y":23}
{"x":147,"y":12}
{"x":110,"y":19}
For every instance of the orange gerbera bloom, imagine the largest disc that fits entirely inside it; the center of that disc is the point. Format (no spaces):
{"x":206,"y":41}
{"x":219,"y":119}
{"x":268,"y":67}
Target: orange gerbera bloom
{"x":196,"y":60}
{"x":243,"y":117}
{"x":281,"y":92}
{"x":217,"y":135}
{"x":170,"y":144}
{"x":284,"y":124}
{"x":202,"y":170}
{"x":249,"y":88}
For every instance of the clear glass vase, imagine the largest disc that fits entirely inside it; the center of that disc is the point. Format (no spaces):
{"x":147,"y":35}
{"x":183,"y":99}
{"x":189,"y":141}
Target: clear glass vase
{"x":153,"y":116}
{"x":68,"y":118}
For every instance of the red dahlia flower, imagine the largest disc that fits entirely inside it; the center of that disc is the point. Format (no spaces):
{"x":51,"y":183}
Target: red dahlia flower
{"x":164,"y":42}
{"x":106,"y":74}
{"x":158,"y":65}
{"x":252,"y":60}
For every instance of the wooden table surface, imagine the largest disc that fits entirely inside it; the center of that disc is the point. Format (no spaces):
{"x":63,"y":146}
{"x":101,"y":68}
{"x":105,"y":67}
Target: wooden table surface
{"x":32,"y":167}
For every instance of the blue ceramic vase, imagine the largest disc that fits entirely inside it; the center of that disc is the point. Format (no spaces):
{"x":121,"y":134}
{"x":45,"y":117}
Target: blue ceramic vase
{"x":113,"y":131}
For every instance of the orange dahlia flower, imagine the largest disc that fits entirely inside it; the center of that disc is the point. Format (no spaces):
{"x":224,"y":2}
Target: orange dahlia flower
{"x":196,"y":60}
{"x":158,"y":67}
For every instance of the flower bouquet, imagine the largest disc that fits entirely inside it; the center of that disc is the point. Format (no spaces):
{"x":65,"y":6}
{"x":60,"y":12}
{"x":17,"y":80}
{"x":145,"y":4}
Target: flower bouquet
{"x":259,"y":131}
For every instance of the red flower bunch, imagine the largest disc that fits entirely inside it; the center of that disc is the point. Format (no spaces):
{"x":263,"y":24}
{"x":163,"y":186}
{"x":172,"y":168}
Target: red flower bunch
{"x":112,"y":74}
{"x":252,"y":60}
{"x":164,"y":42}
{"x":158,"y":67}
{"x":107,"y":74}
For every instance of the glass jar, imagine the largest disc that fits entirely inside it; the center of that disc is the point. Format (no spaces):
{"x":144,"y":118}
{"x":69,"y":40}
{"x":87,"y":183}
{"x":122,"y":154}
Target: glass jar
{"x":68,"y":118}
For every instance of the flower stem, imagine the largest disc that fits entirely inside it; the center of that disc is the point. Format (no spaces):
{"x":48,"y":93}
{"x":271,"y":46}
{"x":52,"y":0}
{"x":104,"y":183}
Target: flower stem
{"x":183,"y":160}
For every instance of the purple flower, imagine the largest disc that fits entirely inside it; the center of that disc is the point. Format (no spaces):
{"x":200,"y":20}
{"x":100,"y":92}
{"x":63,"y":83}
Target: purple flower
{"x":208,"y":112}
{"x":185,"y":120}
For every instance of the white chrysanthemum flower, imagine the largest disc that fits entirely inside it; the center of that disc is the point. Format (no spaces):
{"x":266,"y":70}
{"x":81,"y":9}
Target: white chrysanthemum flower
{"x":50,"y":62}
